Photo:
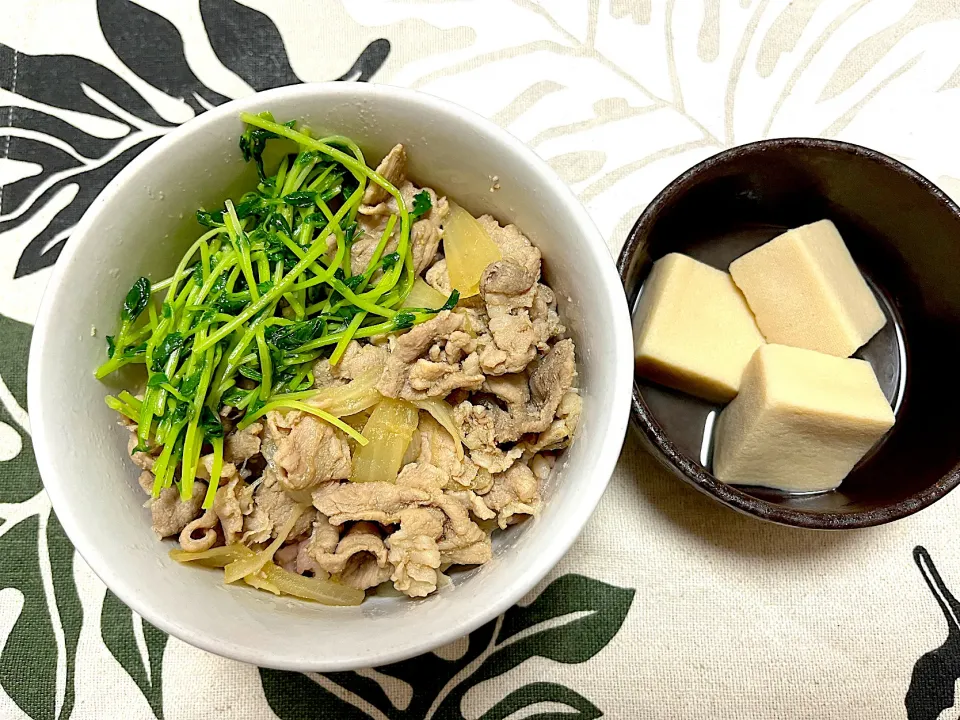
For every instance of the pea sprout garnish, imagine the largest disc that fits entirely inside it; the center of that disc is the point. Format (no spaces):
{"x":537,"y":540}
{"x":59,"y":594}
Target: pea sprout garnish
{"x":263,"y":293}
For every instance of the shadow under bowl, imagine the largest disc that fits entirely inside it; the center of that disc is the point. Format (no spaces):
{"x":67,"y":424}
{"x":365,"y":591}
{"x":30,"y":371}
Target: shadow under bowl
{"x":904,"y":234}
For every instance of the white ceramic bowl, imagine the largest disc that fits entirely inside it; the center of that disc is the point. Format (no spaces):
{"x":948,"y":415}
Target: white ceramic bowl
{"x":141,"y":224}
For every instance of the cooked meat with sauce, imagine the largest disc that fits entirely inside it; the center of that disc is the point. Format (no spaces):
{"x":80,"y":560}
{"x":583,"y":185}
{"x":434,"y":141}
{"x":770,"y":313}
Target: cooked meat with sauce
{"x":380,"y":429}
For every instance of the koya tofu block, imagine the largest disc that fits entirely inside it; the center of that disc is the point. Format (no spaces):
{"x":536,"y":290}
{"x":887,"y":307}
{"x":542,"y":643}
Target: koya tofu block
{"x":806,"y":291}
{"x":802,"y":420}
{"x":693,"y":330}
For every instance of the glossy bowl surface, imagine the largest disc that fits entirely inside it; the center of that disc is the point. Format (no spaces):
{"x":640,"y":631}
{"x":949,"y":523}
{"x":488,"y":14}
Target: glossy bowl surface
{"x":141,"y":224}
{"x":904,"y":234}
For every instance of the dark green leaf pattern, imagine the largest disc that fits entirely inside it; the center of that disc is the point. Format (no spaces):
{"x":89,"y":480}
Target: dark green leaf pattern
{"x":543,"y":692}
{"x":20,"y":553}
{"x":576,"y":641}
{"x":117,"y":630}
{"x":536,"y":630}
{"x":244,"y":39}
{"x":32,"y":641}
{"x":569,"y":622}
{"x":45,"y":247}
{"x":51,"y":159}
{"x":126,"y":24}
{"x":247,"y":42}
{"x":19,"y":479}
{"x":292,"y":695}
{"x":33,"y":634}
{"x":68,"y":602}
{"x":73,"y":74}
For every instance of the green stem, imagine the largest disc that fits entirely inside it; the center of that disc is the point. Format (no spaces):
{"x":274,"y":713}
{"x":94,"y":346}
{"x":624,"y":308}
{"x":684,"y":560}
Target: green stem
{"x":265,"y":365}
{"x":123,"y":408}
{"x":339,"y":286}
{"x":190,"y":452}
{"x":297,"y":405}
{"x":215,"y":470}
{"x":242,"y":247}
{"x":275,"y":293}
{"x":349,"y":334}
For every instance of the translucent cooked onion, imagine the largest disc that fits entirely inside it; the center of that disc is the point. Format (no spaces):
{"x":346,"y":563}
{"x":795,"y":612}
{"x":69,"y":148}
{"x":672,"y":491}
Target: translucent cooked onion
{"x":271,"y":577}
{"x":356,"y":396}
{"x":423,"y":296}
{"x":214,"y":557}
{"x":250,"y":565}
{"x":389,"y":431}
{"x":321,"y":590}
{"x":468,"y":250}
{"x":260,"y":582}
{"x":443,"y":414}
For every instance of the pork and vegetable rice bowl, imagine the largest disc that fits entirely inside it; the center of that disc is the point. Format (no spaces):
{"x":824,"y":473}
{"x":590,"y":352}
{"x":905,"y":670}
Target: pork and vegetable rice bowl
{"x":350,"y":381}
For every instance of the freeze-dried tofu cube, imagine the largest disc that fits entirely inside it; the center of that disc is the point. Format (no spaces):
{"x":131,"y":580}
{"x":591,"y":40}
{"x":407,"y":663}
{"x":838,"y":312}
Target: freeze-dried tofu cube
{"x":805,"y":290}
{"x":801,"y":422}
{"x":693,"y":330}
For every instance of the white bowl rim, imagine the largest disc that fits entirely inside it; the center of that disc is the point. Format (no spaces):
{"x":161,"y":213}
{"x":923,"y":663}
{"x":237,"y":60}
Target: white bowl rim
{"x":609,"y":438}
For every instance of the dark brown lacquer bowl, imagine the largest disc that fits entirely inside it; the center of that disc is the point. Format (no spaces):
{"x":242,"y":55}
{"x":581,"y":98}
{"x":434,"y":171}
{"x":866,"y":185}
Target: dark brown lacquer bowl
{"x":904,"y":233}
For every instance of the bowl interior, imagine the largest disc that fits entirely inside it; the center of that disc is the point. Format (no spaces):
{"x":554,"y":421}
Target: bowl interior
{"x":905,"y":237}
{"x":144,"y":221}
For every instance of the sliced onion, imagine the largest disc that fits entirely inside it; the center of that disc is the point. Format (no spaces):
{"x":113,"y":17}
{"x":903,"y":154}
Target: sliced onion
{"x":253,"y":564}
{"x":423,"y":296}
{"x":214,"y":557}
{"x":443,"y":414}
{"x":356,"y":396}
{"x":389,"y":430}
{"x":260,"y":582}
{"x":323,"y":591}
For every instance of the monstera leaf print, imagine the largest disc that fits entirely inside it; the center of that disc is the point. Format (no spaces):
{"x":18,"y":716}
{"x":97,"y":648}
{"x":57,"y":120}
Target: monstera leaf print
{"x":569,"y":622}
{"x":81,"y":163}
{"x":46,"y":97}
{"x":935,"y":675}
{"x":621,"y":97}
{"x":38,"y":600}
{"x":119,"y":628}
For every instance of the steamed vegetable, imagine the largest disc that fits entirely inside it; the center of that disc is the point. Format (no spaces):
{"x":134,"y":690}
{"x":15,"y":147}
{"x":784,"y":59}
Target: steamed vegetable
{"x":443,"y":414}
{"x":423,"y":296}
{"x":258,"y":570}
{"x":217,"y":557}
{"x":468,"y":250}
{"x":264,"y":292}
{"x":389,"y":430}
{"x":254,"y":563}
{"x":321,"y":590}
{"x":260,"y":582}
{"x":354,"y":397}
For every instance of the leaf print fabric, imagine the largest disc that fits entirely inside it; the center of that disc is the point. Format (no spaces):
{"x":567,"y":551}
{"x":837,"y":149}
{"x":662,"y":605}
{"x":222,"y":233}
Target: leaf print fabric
{"x":44,"y":635}
{"x":125,"y":27}
{"x":21,"y":481}
{"x":248,"y":43}
{"x":118,"y":627}
{"x":668,"y":606}
{"x":936,"y":673}
{"x":570,"y":621}
{"x":244,"y":39}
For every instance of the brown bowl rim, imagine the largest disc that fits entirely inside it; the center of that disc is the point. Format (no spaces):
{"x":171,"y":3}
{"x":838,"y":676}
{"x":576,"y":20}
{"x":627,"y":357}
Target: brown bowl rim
{"x":691,"y":471}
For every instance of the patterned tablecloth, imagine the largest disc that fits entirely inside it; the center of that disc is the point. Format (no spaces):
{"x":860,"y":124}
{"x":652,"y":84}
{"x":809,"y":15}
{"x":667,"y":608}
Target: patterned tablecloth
{"x":669,"y":606}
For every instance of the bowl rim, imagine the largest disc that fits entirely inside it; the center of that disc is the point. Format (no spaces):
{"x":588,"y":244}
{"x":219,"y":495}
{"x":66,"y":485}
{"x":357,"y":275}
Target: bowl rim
{"x":609,"y":434}
{"x":691,"y":471}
